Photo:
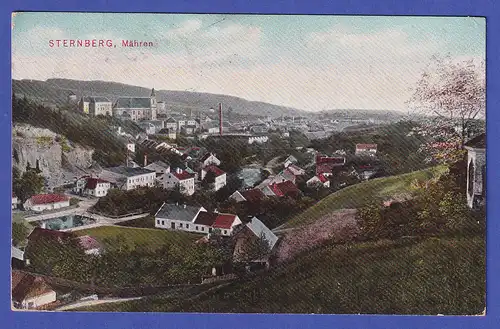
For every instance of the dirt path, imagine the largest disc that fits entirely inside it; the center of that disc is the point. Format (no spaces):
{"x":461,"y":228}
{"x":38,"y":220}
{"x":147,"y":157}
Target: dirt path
{"x":340,"y":225}
{"x":94,"y":302}
{"x":272,"y":163}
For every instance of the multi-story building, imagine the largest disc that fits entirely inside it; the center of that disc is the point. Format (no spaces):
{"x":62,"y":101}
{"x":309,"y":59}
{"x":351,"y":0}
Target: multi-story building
{"x":171,"y":123}
{"x":127,"y":178}
{"x":95,"y":105}
{"x":92,"y":186}
{"x":219,"y":176}
{"x":161,"y":168}
{"x":181,"y":178}
{"x":136,"y":108}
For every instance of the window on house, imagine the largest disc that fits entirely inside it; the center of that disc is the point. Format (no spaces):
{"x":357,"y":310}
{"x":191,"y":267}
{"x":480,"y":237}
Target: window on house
{"x":197,"y":228}
{"x":225,"y":231}
{"x":203,"y":228}
{"x":180,"y":225}
{"x":158,"y":221}
{"x":162,"y":222}
{"x":187,"y":225}
{"x":209,"y":230}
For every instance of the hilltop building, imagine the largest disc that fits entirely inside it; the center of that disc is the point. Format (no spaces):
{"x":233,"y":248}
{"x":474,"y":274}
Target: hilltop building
{"x":95,"y":105}
{"x":136,"y":108}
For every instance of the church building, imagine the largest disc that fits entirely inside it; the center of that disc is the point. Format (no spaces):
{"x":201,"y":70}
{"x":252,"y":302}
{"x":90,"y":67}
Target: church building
{"x":136,"y":108}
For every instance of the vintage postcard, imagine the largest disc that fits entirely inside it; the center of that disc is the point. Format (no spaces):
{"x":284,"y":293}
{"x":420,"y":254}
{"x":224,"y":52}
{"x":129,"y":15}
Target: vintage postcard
{"x":248,"y":163}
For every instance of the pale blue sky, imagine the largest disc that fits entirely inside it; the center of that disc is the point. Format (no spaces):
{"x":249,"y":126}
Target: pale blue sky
{"x":309,"y":62}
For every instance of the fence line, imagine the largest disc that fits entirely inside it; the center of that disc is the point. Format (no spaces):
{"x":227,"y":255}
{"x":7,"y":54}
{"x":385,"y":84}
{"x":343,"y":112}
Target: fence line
{"x":136,"y":212}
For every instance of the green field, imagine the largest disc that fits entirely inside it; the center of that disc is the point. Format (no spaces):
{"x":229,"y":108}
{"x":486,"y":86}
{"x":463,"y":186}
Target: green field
{"x":421,"y":276}
{"x":356,"y":196}
{"x":144,"y":222}
{"x":153,"y":238}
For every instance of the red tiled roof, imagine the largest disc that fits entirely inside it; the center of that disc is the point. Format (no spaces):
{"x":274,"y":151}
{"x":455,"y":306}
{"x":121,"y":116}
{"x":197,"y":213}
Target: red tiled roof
{"x":182,"y":175}
{"x":253,"y":195}
{"x":287,"y":187}
{"x":276,"y":190}
{"x":216,"y":170}
{"x":48,"y":198}
{"x":92,"y":183}
{"x":324,"y":168}
{"x":205,"y":218}
{"x":224,"y":221}
{"x":284,"y":188}
{"x":322,"y":178}
{"x":366,"y":146}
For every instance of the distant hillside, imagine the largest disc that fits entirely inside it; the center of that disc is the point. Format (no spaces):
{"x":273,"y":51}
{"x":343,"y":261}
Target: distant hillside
{"x":54,"y":92}
{"x":363,"y":114}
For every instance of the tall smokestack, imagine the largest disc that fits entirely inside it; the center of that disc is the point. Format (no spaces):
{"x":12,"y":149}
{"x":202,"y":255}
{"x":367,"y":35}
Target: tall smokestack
{"x":220,"y":119}
{"x":145,"y":159}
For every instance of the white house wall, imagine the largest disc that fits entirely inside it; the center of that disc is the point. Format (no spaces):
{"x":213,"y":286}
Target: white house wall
{"x":478,"y":158}
{"x":50,"y":206}
{"x":41,"y":300}
{"x":141,"y":180}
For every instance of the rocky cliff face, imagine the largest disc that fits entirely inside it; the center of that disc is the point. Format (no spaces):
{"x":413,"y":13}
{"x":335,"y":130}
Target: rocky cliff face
{"x":58,"y":159}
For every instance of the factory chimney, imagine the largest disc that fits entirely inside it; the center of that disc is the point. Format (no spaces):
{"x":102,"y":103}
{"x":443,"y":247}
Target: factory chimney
{"x":145,"y":159}
{"x":220,"y":119}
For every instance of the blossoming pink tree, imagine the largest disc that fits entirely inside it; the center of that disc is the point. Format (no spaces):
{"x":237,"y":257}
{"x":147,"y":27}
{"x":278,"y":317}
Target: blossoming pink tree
{"x":451,"y":97}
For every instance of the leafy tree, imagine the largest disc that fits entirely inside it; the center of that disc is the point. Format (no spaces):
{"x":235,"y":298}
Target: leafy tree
{"x":28,"y":184}
{"x":19,"y":233}
{"x":65,"y":258}
{"x":208,"y":180}
{"x":371,"y":219}
{"x":255,"y":249}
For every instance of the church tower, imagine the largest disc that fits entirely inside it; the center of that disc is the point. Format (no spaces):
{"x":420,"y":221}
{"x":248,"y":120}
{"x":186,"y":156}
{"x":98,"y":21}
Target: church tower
{"x":153,"y":105}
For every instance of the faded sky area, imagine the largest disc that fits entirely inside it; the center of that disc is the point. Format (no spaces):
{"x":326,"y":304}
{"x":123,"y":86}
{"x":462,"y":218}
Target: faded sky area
{"x":308,"y":62}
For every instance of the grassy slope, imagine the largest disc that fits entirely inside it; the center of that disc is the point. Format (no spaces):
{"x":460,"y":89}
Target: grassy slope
{"x":153,"y":238}
{"x":360,"y":194}
{"x":429,"y":276}
{"x":420,"y":276}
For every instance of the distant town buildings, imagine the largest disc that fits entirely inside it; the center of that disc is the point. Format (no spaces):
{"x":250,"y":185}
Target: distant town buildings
{"x":318,"y":180}
{"x":367,"y":149}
